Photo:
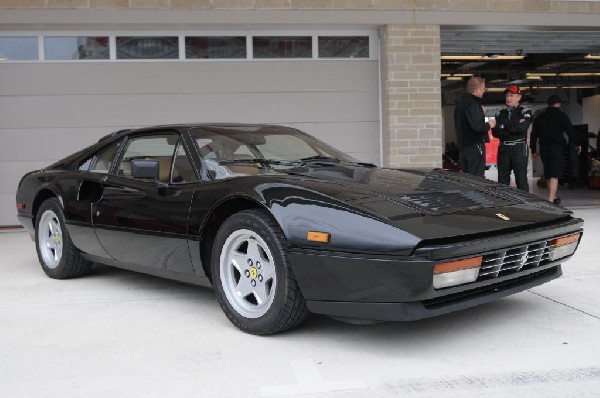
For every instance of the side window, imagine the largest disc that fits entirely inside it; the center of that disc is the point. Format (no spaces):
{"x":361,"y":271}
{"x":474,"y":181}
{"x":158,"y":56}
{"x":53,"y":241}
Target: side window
{"x":100,"y":161}
{"x":182,"y":169}
{"x":155,"y":147}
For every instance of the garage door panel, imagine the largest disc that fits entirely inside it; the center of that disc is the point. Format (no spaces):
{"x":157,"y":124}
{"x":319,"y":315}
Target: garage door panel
{"x":187,"y":77}
{"x":358,"y":139}
{"x":50,"y":145}
{"x":11,"y":173}
{"x":8,"y":209}
{"x":51,"y":109}
{"x":88,"y":110}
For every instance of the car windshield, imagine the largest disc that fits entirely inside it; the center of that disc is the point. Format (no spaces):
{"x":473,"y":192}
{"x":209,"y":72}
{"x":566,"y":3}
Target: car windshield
{"x":274,"y":146}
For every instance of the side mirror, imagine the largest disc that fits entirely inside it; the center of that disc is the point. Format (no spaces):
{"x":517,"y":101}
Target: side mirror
{"x":144,"y":168}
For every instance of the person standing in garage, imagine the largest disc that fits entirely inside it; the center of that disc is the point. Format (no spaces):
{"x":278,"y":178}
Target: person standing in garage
{"x":549,"y":127}
{"x":471,"y":127}
{"x":511,"y":128}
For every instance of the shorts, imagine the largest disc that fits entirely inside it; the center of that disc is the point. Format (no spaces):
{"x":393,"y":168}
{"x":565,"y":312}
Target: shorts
{"x":553,"y":158}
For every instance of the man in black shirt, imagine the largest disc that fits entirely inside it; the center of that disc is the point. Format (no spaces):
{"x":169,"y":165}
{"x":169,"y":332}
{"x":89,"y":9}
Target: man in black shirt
{"x":511,"y":128}
{"x":549,"y":127}
{"x":471,"y":128}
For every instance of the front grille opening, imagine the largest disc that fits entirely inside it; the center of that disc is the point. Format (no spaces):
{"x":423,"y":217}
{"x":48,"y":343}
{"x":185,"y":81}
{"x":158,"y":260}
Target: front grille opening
{"x":513,"y":260}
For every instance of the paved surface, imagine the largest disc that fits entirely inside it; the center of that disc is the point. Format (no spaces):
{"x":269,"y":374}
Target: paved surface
{"x":121,"y":334}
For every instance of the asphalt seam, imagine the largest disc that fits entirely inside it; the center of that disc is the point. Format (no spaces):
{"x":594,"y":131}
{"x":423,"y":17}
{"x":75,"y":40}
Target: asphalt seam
{"x":566,"y":305}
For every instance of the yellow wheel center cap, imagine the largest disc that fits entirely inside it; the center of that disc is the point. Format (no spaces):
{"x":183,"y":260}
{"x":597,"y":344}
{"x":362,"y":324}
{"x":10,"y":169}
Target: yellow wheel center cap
{"x":57,"y":238}
{"x":253,"y":273}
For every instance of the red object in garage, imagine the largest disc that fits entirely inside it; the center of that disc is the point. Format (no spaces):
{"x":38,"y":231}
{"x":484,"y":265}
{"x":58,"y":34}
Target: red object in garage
{"x":491,"y":149}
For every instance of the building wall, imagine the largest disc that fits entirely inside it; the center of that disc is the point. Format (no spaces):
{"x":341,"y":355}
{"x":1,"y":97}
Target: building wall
{"x":73,"y":113}
{"x":412,"y":95}
{"x":551,"y":6}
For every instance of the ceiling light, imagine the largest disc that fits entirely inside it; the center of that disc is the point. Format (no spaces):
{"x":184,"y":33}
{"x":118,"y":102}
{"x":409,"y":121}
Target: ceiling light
{"x":534,"y":77}
{"x":575,"y":74}
{"x":463,"y":74}
{"x":540,"y":74}
{"x":481,"y":57}
{"x":501,"y":89}
{"x":573,"y":86}
{"x":454,"y":78}
{"x":592,"y":56}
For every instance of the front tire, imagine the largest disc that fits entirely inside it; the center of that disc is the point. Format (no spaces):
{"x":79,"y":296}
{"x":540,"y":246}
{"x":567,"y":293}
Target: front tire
{"x":60,"y":259}
{"x":253,"y":280}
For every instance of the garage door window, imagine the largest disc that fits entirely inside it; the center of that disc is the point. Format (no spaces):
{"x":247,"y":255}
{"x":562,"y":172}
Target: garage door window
{"x":343,"y":46}
{"x":138,"y":47}
{"x":18,"y":48}
{"x":222,"y":47}
{"x":195,"y":46}
{"x":62,"y":48}
{"x":282,"y":47}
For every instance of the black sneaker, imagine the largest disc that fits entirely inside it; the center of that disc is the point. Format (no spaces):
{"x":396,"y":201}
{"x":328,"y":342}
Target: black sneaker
{"x":556,"y":201}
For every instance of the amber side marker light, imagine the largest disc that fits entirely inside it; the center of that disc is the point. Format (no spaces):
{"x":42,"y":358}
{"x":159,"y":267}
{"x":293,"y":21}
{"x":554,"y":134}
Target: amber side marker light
{"x":322,"y":237}
{"x":564,"y":246}
{"x":457,"y":272}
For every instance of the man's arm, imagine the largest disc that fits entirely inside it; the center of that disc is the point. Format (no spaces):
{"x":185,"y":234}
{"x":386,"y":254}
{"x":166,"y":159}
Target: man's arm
{"x":500,"y":131}
{"x":476,"y":119}
{"x":533,"y":138}
{"x":521,"y":125}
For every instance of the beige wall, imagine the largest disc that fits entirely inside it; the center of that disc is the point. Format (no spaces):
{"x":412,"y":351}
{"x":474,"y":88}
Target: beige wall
{"x":412,"y":96}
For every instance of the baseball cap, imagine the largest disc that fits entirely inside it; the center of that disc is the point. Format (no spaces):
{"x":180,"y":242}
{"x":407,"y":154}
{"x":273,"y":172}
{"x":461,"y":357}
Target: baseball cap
{"x":513,"y":90}
{"x":554,"y":99}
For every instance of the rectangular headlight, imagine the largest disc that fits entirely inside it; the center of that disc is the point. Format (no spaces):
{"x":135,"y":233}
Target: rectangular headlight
{"x":454,"y":273}
{"x":564,"y":246}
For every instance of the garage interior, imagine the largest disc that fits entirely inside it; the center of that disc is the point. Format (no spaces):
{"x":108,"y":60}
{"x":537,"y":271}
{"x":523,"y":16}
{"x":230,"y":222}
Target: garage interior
{"x":540,"y":60}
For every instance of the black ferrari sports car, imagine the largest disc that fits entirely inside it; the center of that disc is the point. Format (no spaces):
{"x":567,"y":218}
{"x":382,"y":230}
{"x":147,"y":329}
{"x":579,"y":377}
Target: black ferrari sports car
{"x":281,"y":224}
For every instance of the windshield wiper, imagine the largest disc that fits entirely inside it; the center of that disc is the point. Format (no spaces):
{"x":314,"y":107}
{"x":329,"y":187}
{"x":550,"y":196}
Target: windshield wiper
{"x":319,"y":158}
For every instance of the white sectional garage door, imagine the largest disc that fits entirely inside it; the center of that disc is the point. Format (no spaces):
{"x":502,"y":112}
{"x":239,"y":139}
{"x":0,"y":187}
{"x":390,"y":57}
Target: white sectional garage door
{"x":50,"y":109}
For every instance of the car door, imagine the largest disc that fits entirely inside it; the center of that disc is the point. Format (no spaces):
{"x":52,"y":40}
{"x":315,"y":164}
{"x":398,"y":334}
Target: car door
{"x":91,"y":170}
{"x":144,"y":221}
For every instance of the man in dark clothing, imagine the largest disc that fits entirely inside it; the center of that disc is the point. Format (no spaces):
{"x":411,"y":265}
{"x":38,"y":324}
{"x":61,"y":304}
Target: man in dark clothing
{"x":471,"y":128}
{"x":549,"y":127}
{"x":511,"y":128}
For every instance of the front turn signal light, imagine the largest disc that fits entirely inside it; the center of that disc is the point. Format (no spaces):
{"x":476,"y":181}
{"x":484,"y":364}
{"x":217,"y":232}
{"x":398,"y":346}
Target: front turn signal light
{"x":322,"y":237}
{"x":457,"y":272}
{"x":564,"y":246}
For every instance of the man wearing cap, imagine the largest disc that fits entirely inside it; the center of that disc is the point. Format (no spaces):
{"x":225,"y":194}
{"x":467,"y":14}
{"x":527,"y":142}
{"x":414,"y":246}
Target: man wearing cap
{"x":549,"y":128}
{"x":511,"y":128}
{"x":471,"y":128}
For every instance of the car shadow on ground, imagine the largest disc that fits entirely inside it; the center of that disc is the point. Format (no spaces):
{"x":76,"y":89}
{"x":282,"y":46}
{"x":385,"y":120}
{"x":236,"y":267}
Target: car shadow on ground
{"x":322,"y":329}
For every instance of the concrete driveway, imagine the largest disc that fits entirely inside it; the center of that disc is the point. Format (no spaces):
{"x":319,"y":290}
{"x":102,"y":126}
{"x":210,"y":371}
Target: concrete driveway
{"x":120,"y":334}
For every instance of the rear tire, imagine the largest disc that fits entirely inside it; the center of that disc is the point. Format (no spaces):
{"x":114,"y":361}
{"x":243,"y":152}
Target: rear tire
{"x":60,"y":259}
{"x":253,"y":280}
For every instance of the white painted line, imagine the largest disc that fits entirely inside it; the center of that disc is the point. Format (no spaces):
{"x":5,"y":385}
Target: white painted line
{"x":310,"y":382}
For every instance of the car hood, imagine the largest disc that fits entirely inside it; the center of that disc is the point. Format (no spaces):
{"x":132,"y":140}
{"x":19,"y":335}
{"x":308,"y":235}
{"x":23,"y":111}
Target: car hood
{"x":432,"y":204}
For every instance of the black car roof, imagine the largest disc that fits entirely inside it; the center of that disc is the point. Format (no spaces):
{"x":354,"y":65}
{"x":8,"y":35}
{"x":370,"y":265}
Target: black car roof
{"x":181,"y":126}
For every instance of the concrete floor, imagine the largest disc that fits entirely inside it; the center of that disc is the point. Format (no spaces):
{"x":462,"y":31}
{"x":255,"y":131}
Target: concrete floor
{"x":120,"y":334}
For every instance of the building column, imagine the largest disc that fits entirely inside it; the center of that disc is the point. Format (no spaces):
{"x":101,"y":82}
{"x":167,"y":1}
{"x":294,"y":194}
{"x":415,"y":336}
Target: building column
{"x":411,"y":96}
